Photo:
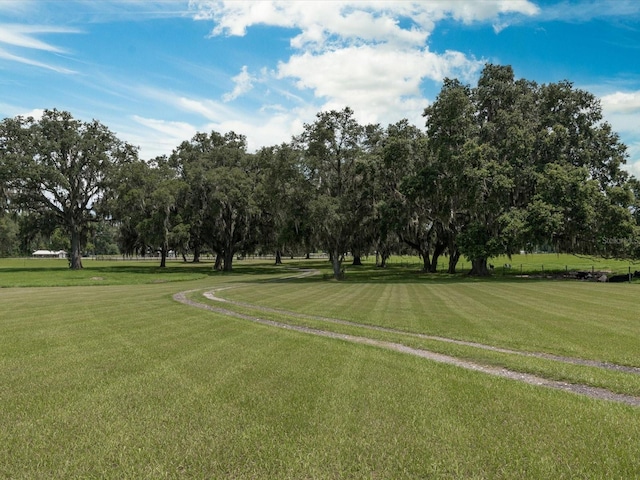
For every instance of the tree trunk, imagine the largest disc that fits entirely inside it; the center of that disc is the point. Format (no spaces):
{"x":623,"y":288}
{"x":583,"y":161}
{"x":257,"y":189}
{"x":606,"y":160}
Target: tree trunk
{"x":356,"y":260}
{"x":439,"y":250}
{"x":228,"y":260}
{"x":218,"y":264}
{"x":278,"y":257}
{"x":163,"y":257}
{"x":479,"y":267}
{"x":75,"y":259}
{"x":336,"y":262}
{"x":426,"y":263}
{"x":196,"y":254}
{"x":383,"y":257}
{"x":453,"y":261}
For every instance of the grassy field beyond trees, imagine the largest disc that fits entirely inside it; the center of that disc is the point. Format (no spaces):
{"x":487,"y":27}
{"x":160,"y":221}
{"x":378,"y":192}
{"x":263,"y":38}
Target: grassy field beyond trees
{"x":104,"y":375}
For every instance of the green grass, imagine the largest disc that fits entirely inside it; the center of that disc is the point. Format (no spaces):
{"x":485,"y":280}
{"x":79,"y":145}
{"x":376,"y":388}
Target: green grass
{"x":617,"y":381}
{"x":532,"y":263}
{"x":120,"y":381}
{"x":37,"y":272}
{"x":563,"y":317}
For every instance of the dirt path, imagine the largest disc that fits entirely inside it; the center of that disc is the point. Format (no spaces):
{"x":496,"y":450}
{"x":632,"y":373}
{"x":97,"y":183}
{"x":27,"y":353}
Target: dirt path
{"x":593,"y":392}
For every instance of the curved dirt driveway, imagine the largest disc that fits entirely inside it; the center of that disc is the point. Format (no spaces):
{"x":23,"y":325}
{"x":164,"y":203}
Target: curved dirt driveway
{"x":593,"y":392}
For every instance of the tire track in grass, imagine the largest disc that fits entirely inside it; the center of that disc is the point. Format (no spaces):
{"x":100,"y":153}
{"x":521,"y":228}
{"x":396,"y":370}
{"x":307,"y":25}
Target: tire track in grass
{"x":592,"y":392}
{"x":547,"y":356}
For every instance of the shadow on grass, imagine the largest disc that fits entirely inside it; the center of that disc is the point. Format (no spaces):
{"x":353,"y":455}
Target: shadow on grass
{"x":266,"y":272}
{"x":396,"y":274}
{"x":371,"y":274}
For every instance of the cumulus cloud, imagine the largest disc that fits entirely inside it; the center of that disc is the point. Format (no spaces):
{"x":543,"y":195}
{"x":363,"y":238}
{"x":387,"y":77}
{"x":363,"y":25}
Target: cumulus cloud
{"x":621,"y":102}
{"x":365,"y":19}
{"x":622,"y":111}
{"x":377,"y":83}
{"x":370,"y":55}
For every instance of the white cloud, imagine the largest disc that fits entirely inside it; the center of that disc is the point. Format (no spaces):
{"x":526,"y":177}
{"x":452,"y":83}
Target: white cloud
{"x":17,"y":8}
{"x":23,"y":38}
{"x":36,"y":113}
{"x":621,"y":102}
{"x":370,"y":55}
{"x":233,"y":18}
{"x":622,"y":111}
{"x":381,"y":85}
{"x":364,"y":19}
{"x":244,"y":83}
{"x":271,"y":126}
{"x":209,"y":109}
{"x":633,"y":166}
{"x":27,"y":61}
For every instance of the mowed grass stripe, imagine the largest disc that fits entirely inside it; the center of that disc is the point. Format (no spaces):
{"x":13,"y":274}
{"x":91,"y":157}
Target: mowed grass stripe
{"x":519,"y":315}
{"x":561,"y":317}
{"x":582,"y":372}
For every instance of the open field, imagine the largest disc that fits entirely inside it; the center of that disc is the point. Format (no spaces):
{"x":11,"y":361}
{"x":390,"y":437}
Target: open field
{"x":112,"y":378}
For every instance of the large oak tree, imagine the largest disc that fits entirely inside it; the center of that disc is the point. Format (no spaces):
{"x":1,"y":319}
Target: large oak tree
{"x":331,"y":149}
{"x":62,"y":168}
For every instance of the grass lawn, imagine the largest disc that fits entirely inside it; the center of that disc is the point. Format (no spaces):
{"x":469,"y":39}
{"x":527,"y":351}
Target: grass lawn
{"x":114,"y":379}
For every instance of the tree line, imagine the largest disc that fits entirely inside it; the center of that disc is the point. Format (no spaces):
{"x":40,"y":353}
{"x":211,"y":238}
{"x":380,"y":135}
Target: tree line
{"x":505,"y":166}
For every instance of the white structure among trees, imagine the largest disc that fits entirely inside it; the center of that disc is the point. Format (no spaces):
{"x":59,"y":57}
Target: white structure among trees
{"x":50,"y":254}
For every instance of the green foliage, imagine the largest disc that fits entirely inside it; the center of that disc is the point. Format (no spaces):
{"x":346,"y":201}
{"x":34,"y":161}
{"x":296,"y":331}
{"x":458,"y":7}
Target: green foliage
{"x":330,"y":150}
{"x":219,"y":197}
{"x":502,"y":166}
{"x":9,"y":243}
{"x":282,"y":195}
{"x":61,"y":168}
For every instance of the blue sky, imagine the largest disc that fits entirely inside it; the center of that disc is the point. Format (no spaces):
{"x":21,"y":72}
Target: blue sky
{"x":157,"y":72}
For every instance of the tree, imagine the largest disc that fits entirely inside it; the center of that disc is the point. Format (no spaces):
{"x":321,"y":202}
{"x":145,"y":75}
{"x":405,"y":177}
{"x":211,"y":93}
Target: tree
{"x":61,"y":167}
{"x":220,"y":196}
{"x":497,"y":174}
{"x":451,"y":126}
{"x":189,"y":160}
{"x":331,"y":151}
{"x":128,"y":206}
{"x":405,"y":207}
{"x":282,"y":198}
{"x":582,"y":194}
{"x":147,"y":205}
{"x":540,"y":167}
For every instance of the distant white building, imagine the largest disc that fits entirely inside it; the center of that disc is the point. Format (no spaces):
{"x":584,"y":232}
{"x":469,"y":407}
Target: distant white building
{"x":50,"y":254}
